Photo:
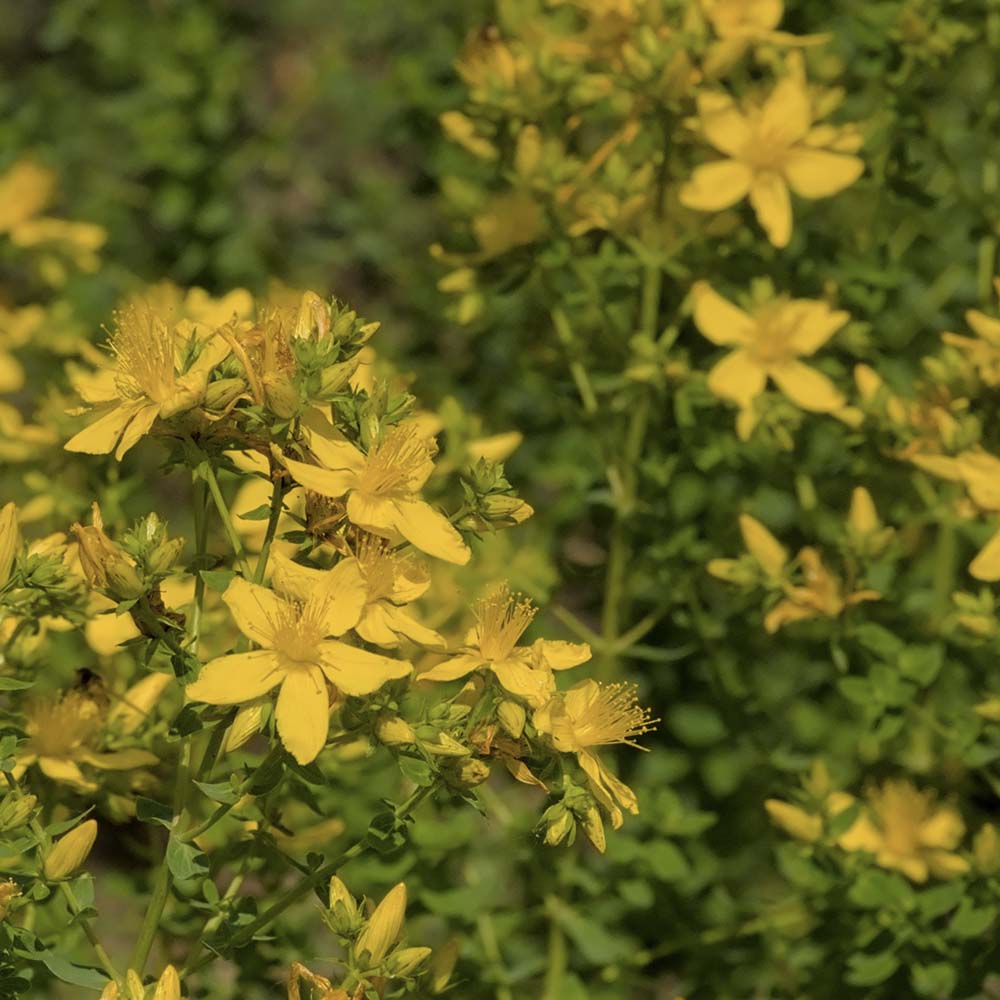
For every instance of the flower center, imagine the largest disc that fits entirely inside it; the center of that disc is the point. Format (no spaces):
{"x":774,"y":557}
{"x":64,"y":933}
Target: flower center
{"x":773,"y":339}
{"x":901,"y":811}
{"x":394,"y":464}
{"x":502,"y":621}
{"x":298,"y":629}
{"x":144,"y":350}
{"x":613,"y":715}
{"x":378,"y":564}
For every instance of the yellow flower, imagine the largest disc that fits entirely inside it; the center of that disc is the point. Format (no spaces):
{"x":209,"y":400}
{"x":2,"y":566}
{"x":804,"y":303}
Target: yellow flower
{"x":144,"y":384}
{"x":769,"y":148}
{"x":382,"y":489}
{"x":979,"y":471}
{"x":591,"y":715}
{"x":525,"y":671}
{"x":297,"y":654}
{"x":907,"y":831}
{"x":65,"y":733}
{"x":768,"y":344}
{"x":983,"y":349}
{"x":17,"y":327}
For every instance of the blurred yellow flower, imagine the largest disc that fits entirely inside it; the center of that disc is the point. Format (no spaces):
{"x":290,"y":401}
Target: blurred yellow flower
{"x":297,"y":654}
{"x":526,"y":671}
{"x":770,"y":147}
{"x":983,"y":350}
{"x":768,"y":344}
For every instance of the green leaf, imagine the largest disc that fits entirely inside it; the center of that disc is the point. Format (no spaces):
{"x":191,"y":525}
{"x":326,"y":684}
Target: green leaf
{"x":879,"y":640}
{"x":936,"y":980}
{"x":416,"y":770}
{"x":697,"y":725}
{"x":150,"y":811}
{"x":970,"y":921}
{"x":217,"y":579}
{"x":666,"y":862}
{"x":13,"y":684}
{"x":261,"y":513}
{"x":921,"y":664}
{"x":940,"y":899}
{"x":876,"y":889}
{"x":870,"y":970}
{"x":218,"y":791}
{"x":185,"y":861}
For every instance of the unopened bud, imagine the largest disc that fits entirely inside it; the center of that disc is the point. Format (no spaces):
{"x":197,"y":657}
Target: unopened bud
{"x":335,"y":377}
{"x":70,"y":853}
{"x":246,"y":723}
{"x":512,"y":716}
{"x":737,"y":571}
{"x":593,"y":827}
{"x":10,"y":540}
{"x":161,"y":560}
{"x":467,"y":773}
{"x":501,"y":507}
{"x":406,"y":961}
{"x":559,"y":827}
{"x":9,"y":891}
{"x":313,"y":317}
{"x":15,"y":810}
{"x":383,"y":926}
{"x":340,"y":896}
{"x":394,"y":731}
{"x":447,"y":746}
{"x":223,"y":392}
{"x":281,"y":395}
{"x":443,"y":965}
{"x":124,"y":581}
{"x":986,"y":849}
{"x":169,"y":985}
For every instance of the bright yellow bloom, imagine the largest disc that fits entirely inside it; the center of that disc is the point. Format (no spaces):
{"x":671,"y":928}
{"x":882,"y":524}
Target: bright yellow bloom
{"x":909,"y":832}
{"x":383,"y":489}
{"x":590,"y":715}
{"x":979,"y":471}
{"x":525,"y":671}
{"x":768,"y":344}
{"x":297,"y":654}
{"x":769,"y":148}
{"x":145,"y":383}
{"x":65,"y":733}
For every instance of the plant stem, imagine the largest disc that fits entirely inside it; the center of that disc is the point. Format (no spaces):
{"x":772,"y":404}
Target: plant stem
{"x":208,"y":473}
{"x":67,"y":893}
{"x":556,"y":965}
{"x":566,"y":337}
{"x":201,"y":544}
{"x":277,"y":498}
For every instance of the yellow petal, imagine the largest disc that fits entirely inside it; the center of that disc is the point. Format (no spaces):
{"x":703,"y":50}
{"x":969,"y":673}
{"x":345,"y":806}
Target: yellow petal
{"x":981,"y":472}
{"x":737,"y":377}
{"x":985,"y":326}
{"x":60,"y":769}
{"x":786,"y":117}
{"x":763,"y":546}
{"x":452,"y":669}
{"x":715,"y":186}
{"x":430,"y":531}
{"x":986,"y":565}
{"x":11,"y":374}
{"x":303,"y":713}
{"x":328,"y":482}
{"x":373,"y":513}
{"x":535,"y":686}
{"x":339,"y":596}
{"x":559,"y":655}
{"x":723,"y":125}
{"x":121,"y":760}
{"x":770,"y":200}
{"x":138,"y":426}
{"x":815,"y":323}
{"x":863,"y":517}
{"x":229,"y":680}
{"x":374,"y":626}
{"x":815,"y":173}
{"x":794,"y":821}
{"x":718,"y":319}
{"x":255,"y":609}
{"x":944,"y":829}
{"x":404,"y":623}
{"x":356,"y":671}
{"x":104,"y":433}
{"x":336,"y":454}
{"x":944,"y":864}
{"x":807,"y":387}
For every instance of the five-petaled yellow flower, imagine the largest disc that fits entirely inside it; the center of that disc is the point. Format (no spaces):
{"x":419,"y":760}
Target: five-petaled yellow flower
{"x":298,"y":654}
{"x":769,"y":148}
{"x":590,"y":715}
{"x":383,"y":489}
{"x":526,"y":671}
{"x":769,"y":343}
{"x":144,"y":385}
{"x":909,"y":832}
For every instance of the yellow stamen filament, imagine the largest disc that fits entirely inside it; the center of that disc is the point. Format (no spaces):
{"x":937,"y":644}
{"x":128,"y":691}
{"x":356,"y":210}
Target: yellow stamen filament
{"x":144,"y":350}
{"x":503,"y":619}
{"x":378,"y":563}
{"x":298,"y":629}
{"x":394,"y":463}
{"x":614,"y":716}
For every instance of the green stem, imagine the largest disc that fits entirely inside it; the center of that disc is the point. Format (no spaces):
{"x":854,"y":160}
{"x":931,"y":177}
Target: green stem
{"x":556,"y":965}
{"x":67,"y":893}
{"x":201,"y":545}
{"x":227,"y":520}
{"x":277,"y":498}
{"x":566,"y":337}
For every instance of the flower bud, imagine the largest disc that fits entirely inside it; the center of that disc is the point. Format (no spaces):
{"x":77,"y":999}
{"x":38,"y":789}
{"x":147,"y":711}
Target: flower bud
{"x":10,"y":540}
{"x":383,"y":926}
{"x":406,"y":961}
{"x":986,"y":849}
{"x":794,"y":821}
{"x":443,"y":965}
{"x":133,"y":985}
{"x":512,"y":717}
{"x":335,"y":377}
{"x":161,"y":560}
{"x":313,"y":317}
{"x":343,"y":907}
{"x":281,"y":395}
{"x":560,"y":825}
{"x":8,"y":891}
{"x":467,"y":773}
{"x":246,"y":723}
{"x":393,"y":731}
{"x":447,"y":746}
{"x":70,"y":852}
{"x":15,"y":810}
{"x":223,"y":393}
{"x":169,"y":985}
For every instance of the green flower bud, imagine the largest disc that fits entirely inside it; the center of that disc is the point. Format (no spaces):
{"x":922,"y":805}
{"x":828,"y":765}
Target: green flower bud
{"x":404,"y":962}
{"x":15,"y":810}
{"x":223,"y":392}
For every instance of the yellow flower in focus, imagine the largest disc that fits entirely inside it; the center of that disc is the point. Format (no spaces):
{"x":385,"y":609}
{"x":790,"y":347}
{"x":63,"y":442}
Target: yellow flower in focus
{"x":590,"y":715}
{"x":144,"y":385}
{"x":66,"y":732}
{"x":906,"y":830}
{"x":769,"y":344}
{"x":525,"y":671}
{"x":770,"y":147}
{"x":296,"y":654}
{"x":382,"y":489}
